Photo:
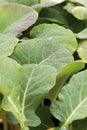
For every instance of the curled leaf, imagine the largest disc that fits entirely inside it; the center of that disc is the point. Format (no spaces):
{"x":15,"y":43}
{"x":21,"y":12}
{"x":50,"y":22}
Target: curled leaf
{"x":16,"y":18}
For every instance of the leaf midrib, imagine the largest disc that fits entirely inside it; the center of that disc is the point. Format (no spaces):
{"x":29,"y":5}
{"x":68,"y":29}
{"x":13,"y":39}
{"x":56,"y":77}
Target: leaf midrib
{"x":26,"y":88}
{"x":71,"y":115}
{"x":12,"y":103}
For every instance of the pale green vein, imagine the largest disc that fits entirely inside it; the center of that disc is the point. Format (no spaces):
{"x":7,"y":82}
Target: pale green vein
{"x":12,"y":103}
{"x":26,"y":89}
{"x":73,"y":113}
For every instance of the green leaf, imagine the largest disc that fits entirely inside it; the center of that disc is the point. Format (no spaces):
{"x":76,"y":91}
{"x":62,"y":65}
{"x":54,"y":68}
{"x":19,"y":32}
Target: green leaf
{"x":64,"y":74}
{"x":11,"y":74}
{"x":82,"y":50}
{"x":11,"y":118}
{"x":53,"y":15}
{"x":11,"y":104}
{"x":7,"y":44}
{"x":14,"y":23}
{"x":42,"y":51}
{"x":80,"y":12}
{"x":82,"y":34}
{"x":38,"y":80}
{"x":69,"y":7}
{"x":55,"y":32}
{"x":72,"y":104}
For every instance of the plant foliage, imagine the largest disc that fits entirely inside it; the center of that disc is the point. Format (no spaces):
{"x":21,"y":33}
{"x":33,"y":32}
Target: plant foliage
{"x":43,"y":61}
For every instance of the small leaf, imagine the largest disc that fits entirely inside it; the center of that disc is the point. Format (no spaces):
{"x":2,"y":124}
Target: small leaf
{"x":55,"y":32}
{"x":38,"y":80}
{"x":7,"y":44}
{"x":80,"y":12}
{"x":42,"y":51}
{"x":82,"y":34}
{"x":69,"y":7}
{"x":82,"y":50}
{"x":72,"y":104}
{"x":14,"y":23}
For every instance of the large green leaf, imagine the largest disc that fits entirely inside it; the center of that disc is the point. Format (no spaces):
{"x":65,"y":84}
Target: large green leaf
{"x":72,"y":104}
{"x":64,"y":36}
{"x":82,"y":50}
{"x":42,"y":51}
{"x":38,"y":80}
{"x":64,"y":74}
{"x":11,"y":75}
{"x":7,"y":44}
{"x":15,"y":23}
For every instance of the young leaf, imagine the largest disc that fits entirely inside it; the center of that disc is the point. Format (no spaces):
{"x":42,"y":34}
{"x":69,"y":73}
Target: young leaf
{"x":72,"y":104}
{"x":69,"y":7}
{"x":38,"y":80}
{"x":14,"y":23}
{"x":42,"y":51}
{"x":7,"y":44}
{"x":64,"y":74}
{"x":80,"y":12}
{"x":82,"y":50}
{"x":82,"y":34}
{"x":61,"y":34}
{"x":83,"y":2}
